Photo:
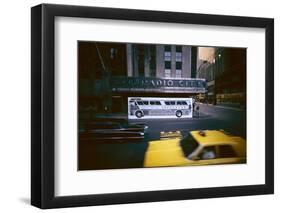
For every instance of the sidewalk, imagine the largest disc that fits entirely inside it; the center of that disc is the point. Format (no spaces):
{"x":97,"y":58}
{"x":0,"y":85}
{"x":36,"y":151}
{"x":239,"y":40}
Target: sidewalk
{"x":112,"y":115}
{"x":235,"y":107}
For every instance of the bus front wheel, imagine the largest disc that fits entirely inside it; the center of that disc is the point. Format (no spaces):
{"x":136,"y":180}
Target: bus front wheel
{"x":178,"y":113}
{"x":138,"y":114}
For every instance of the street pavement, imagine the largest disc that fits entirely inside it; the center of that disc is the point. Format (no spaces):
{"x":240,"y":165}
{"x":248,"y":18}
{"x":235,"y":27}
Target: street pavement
{"x":210,"y":117}
{"x":131,"y":155}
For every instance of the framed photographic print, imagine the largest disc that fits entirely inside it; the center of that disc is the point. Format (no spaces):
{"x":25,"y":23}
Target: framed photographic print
{"x":139,"y":106}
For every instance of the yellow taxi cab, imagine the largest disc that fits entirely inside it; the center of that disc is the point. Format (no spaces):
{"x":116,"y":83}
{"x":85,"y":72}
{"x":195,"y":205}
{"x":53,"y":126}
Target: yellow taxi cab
{"x":198,"y":148}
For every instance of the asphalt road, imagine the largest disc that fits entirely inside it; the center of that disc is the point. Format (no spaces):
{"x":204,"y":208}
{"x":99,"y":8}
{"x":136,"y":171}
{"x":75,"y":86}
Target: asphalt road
{"x":210,"y":117}
{"x":131,"y":155}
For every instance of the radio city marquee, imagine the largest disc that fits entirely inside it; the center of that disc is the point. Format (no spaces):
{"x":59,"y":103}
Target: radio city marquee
{"x":146,"y":84}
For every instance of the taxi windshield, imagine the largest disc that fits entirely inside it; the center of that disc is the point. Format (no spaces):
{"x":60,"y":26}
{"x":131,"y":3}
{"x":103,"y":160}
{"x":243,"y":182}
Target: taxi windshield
{"x":188,"y":145}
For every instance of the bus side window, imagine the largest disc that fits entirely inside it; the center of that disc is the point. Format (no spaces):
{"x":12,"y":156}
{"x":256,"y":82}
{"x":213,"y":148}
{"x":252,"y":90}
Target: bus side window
{"x":152,"y":103}
{"x":178,"y":102}
{"x":145,"y":102}
{"x":140,"y":103}
{"x":167,"y":102}
{"x":172,"y":103}
{"x":157,"y":103}
{"x":184,"y":103}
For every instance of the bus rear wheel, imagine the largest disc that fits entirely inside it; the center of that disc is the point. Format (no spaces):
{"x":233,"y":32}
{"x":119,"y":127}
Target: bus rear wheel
{"x":178,"y":113}
{"x":139,"y":114}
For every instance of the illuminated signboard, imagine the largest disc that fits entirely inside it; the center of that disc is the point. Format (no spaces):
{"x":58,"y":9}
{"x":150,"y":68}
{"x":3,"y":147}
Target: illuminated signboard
{"x":148,"y":84}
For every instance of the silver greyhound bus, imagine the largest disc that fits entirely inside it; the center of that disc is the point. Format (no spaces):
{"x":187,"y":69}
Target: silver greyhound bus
{"x":143,"y":107}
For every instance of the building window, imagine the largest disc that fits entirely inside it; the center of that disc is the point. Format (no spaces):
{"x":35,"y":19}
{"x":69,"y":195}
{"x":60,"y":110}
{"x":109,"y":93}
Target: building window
{"x":167,"y":48}
{"x":178,"y":56}
{"x":168,"y":56}
{"x":167,"y":73}
{"x":178,"y":73}
{"x":167,"y":53}
{"x":179,"y":49}
{"x":178,"y":65}
{"x":167,"y":64}
{"x":178,"y":69}
{"x":179,"y":53}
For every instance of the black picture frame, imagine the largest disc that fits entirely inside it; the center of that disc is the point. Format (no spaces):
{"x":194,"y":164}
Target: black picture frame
{"x":43,"y":111}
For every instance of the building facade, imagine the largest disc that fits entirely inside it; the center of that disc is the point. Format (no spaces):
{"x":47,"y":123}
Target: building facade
{"x":225,"y":72}
{"x":160,"y":61}
{"x":109,"y":73}
{"x":231,"y":76}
